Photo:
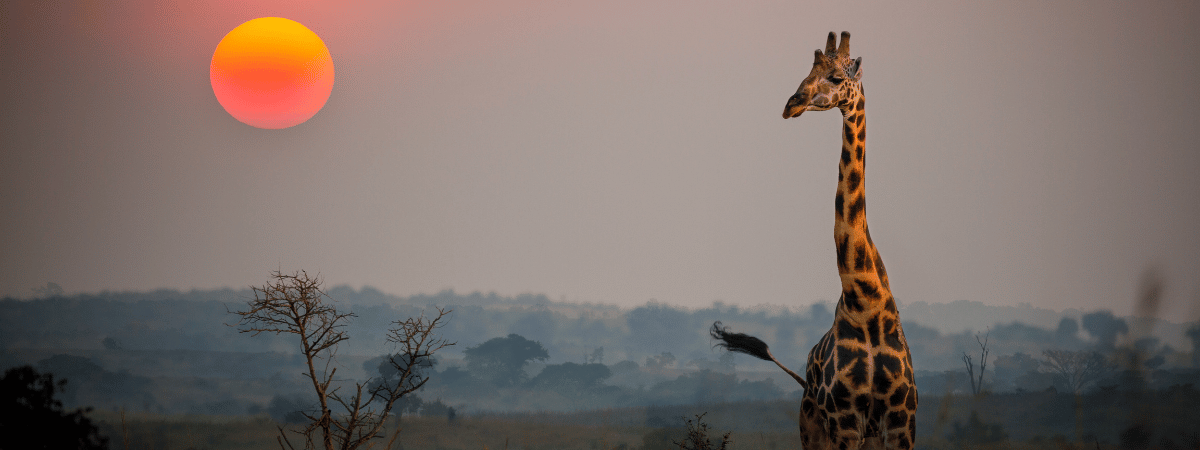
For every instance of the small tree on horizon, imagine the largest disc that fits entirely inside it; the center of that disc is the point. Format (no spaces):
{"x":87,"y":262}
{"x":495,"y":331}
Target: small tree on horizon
{"x":502,"y":360}
{"x":297,"y":304}
{"x":977,"y":385}
{"x":1076,"y":369}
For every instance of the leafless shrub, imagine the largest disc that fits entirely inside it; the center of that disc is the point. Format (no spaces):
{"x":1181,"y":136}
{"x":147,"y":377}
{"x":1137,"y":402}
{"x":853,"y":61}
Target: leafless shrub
{"x":697,"y":437}
{"x":977,"y":386}
{"x":296,"y":304}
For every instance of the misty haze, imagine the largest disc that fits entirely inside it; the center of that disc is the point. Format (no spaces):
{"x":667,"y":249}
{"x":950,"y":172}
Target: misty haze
{"x":532,"y":224}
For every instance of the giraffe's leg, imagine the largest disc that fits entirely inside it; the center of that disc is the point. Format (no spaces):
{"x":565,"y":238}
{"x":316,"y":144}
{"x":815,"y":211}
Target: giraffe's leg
{"x":813,"y":434}
{"x":848,"y":440}
{"x":901,"y":430}
{"x":873,"y":443}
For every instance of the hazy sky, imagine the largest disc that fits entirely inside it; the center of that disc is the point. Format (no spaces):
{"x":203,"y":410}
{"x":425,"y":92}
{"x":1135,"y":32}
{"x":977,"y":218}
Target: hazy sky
{"x":612,"y":151}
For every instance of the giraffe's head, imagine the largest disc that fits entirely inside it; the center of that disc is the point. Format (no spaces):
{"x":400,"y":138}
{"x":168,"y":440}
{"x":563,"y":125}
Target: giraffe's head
{"x":833,"y":81}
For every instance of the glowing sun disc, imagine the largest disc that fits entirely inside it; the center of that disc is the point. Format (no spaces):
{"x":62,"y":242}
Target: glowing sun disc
{"x":271,"y":73}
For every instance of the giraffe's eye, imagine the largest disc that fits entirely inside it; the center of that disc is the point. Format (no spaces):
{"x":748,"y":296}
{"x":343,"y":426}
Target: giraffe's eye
{"x":835,"y":79}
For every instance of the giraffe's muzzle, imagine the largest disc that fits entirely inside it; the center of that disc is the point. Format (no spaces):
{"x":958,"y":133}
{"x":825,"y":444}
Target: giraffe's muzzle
{"x":796,"y":105}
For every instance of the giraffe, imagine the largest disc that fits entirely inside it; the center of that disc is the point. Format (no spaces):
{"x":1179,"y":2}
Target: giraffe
{"x":858,"y":386}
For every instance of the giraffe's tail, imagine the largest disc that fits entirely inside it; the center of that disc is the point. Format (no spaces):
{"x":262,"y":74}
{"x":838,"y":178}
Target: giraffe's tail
{"x":750,"y":345}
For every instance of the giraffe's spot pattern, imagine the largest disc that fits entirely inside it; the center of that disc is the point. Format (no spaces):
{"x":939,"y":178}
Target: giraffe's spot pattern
{"x":856,"y":209}
{"x":838,"y":202}
{"x":853,"y":181}
{"x":869,"y":290}
{"x":847,"y":331}
{"x":850,"y":298}
{"x":873,"y":332}
{"x":844,"y":243}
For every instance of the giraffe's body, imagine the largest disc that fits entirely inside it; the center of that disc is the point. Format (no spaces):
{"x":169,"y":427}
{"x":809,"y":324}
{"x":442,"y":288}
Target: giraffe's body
{"x":859,"y":391}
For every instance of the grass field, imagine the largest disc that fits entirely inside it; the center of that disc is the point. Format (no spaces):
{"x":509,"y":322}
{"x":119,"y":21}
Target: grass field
{"x":1032,"y":421}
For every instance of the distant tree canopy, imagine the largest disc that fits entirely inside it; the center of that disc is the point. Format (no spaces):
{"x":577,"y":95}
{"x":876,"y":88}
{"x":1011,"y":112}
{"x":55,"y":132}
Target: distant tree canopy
{"x":571,"y":375}
{"x":1105,"y":328}
{"x":34,"y":418}
{"x":392,"y":367}
{"x":502,"y":360}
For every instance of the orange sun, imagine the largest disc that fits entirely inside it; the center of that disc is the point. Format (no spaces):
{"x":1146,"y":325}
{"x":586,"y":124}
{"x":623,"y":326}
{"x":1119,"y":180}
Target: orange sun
{"x":271,"y":73}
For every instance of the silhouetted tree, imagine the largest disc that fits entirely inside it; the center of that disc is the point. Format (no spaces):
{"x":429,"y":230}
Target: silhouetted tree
{"x":392,"y":367}
{"x":296,"y":304}
{"x":571,"y":376}
{"x":597,"y":356}
{"x":1193,"y":333}
{"x":1076,"y":368}
{"x":502,"y":360}
{"x":1105,"y":328}
{"x":79,"y":369}
{"x":1011,"y":367}
{"x":977,"y":386}
{"x":697,"y":437}
{"x":660,"y":362}
{"x":1068,"y":330}
{"x":51,"y":289}
{"x":660,"y":327}
{"x":110,"y":344}
{"x":34,"y":419}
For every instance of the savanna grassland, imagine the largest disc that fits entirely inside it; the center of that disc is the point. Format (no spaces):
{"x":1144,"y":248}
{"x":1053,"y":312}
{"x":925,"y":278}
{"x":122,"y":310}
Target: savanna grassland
{"x":1045,"y":420}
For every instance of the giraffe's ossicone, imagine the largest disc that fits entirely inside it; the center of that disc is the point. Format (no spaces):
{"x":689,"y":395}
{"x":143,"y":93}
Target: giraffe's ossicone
{"x":858,"y":385}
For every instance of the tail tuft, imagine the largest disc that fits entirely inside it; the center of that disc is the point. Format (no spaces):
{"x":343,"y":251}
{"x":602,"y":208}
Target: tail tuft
{"x":739,"y":342}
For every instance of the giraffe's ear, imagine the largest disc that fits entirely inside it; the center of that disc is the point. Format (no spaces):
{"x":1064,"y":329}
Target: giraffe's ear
{"x":855,"y":71}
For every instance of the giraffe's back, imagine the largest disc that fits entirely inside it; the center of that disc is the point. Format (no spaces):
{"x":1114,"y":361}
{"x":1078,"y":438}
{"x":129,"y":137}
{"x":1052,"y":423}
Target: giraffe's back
{"x":860,"y":386}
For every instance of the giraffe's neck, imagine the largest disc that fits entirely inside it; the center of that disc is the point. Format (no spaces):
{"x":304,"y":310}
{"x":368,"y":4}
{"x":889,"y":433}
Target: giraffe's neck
{"x":865,"y":289}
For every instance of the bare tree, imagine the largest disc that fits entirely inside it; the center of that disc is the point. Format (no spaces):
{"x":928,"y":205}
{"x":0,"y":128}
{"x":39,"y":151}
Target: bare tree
{"x":297,"y":304}
{"x":977,"y":386}
{"x":1076,"y":368}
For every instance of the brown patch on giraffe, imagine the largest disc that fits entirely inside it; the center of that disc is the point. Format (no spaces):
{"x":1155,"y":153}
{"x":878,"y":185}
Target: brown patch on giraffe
{"x":858,"y":120}
{"x":869,"y":289}
{"x":859,"y":150}
{"x":862,"y":103}
{"x":841,"y":395}
{"x":849,"y":331}
{"x":873,"y":331}
{"x":862,"y":134}
{"x":899,"y":396}
{"x":844,"y":245}
{"x":853,"y":180}
{"x":858,"y":373}
{"x":856,"y":209}
{"x":849,"y":131}
{"x":860,"y":256}
{"x":888,"y":362}
{"x":852,"y":300}
{"x":845,"y":156}
{"x":895,"y":341}
{"x":838,"y":202}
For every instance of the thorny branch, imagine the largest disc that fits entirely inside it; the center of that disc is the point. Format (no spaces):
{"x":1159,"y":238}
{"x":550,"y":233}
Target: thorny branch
{"x":295,"y":303}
